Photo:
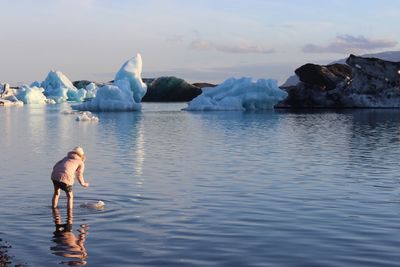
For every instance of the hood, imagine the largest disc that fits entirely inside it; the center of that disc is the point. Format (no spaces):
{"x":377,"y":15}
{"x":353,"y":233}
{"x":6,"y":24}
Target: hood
{"x":73,"y":155}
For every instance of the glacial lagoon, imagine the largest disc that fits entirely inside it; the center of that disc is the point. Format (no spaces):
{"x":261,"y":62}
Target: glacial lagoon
{"x":270,"y":188}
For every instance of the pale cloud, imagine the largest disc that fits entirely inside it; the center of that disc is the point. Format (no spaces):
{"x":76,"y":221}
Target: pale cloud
{"x":175,"y":39}
{"x":345,"y":44}
{"x":242,"y":48}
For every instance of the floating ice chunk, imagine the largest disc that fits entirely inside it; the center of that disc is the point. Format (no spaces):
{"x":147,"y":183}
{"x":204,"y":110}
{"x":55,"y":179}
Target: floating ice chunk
{"x":31,"y":95}
{"x":69,"y":112}
{"x":239,"y":94}
{"x":115,"y":97}
{"x":99,"y":205}
{"x":9,"y":103}
{"x":87,"y":116}
{"x":131,"y":71}
{"x":59,"y":88}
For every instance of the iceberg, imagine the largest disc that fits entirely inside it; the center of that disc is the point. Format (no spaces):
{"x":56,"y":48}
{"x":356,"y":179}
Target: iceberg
{"x":7,"y":96}
{"x":32,"y":95}
{"x":113,"y":97}
{"x":59,"y":88}
{"x":239,"y":94}
{"x":131,"y":71}
{"x":124,"y":94}
{"x":9,"y":103}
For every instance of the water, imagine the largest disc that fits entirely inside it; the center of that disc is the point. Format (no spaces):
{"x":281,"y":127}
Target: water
{"x":272,"y":188}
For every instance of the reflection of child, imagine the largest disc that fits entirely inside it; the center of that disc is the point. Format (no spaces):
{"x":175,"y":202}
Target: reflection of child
{"x":64,"y":173}
{"x":68,"y":245}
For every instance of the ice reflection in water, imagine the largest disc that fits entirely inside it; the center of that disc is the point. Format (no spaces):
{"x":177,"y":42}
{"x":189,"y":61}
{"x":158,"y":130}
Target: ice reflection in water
{"x":277,"y":188}
{"x":140,"y":150}
{"x":67,"y":244}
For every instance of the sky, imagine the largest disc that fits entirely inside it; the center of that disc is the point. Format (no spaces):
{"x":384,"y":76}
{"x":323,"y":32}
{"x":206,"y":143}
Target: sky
{"x":197,"y":40}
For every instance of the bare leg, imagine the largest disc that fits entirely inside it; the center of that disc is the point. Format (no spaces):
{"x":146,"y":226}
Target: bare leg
{"x":70,"y":203}
{"x":56,"y":196}
{"x":56,"y":216}
{"x":70,"y":216}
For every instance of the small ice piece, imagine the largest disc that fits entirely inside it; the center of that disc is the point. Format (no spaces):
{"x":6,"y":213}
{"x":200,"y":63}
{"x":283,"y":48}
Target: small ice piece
{"x":239,"y":94}
{"x":69,"y":112}
{"x":87,"y":116}
{"x":94,"y":205}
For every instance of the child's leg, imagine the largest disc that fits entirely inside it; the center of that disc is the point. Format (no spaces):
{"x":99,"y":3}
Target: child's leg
{"x":56,"y":195}
{"x":70,"y":198}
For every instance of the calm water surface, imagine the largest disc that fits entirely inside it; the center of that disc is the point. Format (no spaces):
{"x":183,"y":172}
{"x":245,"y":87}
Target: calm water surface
{"x":205,"y":189}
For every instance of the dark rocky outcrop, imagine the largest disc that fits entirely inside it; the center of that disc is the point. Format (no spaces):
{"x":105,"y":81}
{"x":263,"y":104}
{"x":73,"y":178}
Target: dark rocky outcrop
{"x":373,"y":75}
{"x":363,"y":82}
{"x":170,"y":89}
{"x":324,"y":78}
{"x":204,"y":85}
{"x":83,"y":83}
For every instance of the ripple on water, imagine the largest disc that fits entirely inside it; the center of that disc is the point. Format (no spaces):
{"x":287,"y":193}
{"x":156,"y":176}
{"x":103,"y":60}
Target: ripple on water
{"x":273,"y":188}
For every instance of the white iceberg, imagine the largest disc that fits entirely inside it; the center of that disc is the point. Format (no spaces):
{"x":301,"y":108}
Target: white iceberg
{"x":239,"y":94}
{"x":124,"y":94}
{"x":7,"y":96}
{"x":59,"y":88}
{"x":9,"y":103}
{"x":32,"y":95}
{"x":87,"y":116}
{"x":131,"y":71}
{"x":114,"y":97}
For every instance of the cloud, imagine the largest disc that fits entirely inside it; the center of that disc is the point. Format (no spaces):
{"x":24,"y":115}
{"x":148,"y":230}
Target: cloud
{"x":175,"y":39}
{"x":244,"y":48}
{"x":345,"y":44}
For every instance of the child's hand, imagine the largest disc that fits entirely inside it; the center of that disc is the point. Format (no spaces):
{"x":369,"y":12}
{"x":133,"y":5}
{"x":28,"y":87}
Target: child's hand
{"x":86,"y":184}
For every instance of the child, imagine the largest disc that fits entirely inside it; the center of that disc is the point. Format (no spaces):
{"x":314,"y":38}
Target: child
{"x":64,"y":173}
